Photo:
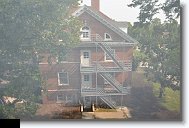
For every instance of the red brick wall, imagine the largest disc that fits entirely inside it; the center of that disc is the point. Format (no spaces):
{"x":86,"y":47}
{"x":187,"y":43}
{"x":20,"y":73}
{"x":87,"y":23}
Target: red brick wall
{"x":50,"y":74}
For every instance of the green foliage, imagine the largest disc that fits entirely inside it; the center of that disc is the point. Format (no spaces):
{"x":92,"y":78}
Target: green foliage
{"x":137,"y":58}
{"x":18,"y":111}
{"x":171,"y":99}
{"x":28,"y":28}
{"x":148,"y":8}
{"x":160,"y":43}
{"x":171,"y":8}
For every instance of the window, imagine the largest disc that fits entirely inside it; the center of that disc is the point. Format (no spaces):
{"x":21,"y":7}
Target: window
{"x":85,"y":33}
{"x":63,"y":78}
{"x":113,"y":76}
{"x":107,"y":36}
{"x":64,"y":98}
{"x":107,"y":57}
{"x":85,"y":55}
{"x":60,"y":98}
{"x":86,"y":78}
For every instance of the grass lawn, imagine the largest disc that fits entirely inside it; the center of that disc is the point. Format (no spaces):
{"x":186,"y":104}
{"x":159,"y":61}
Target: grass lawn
{"x":171,"y":99}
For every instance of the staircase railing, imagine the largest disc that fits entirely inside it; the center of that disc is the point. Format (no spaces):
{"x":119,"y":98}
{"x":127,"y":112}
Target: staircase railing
{"x":96,"y":37}
{"x":108,"y":101}
{"x":106,"y":48}
{"x":112,"y":81}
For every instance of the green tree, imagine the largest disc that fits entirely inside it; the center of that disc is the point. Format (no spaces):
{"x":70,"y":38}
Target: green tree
{"x":148,"y":8}
{"x":27,"y":28}
{"x":161,"y":45}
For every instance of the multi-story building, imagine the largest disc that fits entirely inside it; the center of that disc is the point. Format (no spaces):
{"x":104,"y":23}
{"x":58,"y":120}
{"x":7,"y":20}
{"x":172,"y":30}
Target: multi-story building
{"x":98,"y":70}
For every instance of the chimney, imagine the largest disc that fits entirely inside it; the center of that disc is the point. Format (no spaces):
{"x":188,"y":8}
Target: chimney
{"x":95,"y":4}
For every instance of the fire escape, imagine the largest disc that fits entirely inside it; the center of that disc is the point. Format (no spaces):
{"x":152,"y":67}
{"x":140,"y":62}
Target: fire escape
{"x":104,"y":72}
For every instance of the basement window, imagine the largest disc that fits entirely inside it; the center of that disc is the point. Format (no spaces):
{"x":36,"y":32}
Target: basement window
{"x":64,"y":98}
{"x":60,"y":98}
{"x":63,"y":78}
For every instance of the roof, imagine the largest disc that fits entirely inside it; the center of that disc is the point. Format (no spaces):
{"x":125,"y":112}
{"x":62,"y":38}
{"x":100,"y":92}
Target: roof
{"x":121,"y":24}
{"x":112,"y":24}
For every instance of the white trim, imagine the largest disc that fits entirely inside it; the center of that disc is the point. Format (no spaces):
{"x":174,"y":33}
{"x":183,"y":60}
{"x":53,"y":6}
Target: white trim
{"x":107,"y":39}
{"x":79,"y":11}
{"x":59,"y":84}
{"x":62,"y":90}
{"x":62,"y":62}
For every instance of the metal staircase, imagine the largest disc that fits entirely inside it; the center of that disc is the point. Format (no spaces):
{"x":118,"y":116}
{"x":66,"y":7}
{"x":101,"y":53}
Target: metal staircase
{"x":108,"y":101}
{"x":116,"y":87}
{"x":112,"y":81}
{"x":107,"y":49}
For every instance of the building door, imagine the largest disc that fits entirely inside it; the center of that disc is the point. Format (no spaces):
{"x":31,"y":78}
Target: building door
{"x":85,"y":57}
{"x":86,"y":80}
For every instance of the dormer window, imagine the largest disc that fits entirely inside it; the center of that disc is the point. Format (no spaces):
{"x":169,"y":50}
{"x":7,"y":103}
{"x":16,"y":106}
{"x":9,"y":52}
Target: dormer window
{"x":107,"y":36}
{"x":85,"y":33}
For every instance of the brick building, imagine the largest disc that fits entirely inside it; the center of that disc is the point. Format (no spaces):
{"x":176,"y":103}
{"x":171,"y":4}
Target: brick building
{"x":98,"y":70}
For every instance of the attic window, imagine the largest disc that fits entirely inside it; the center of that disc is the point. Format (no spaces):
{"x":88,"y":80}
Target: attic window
{"x":107,"y":36}
{"x":85,"y":33}
{"x":85,"y":28}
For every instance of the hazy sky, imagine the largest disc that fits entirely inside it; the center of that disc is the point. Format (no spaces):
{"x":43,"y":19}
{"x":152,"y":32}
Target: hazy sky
{"x":118,"y":10}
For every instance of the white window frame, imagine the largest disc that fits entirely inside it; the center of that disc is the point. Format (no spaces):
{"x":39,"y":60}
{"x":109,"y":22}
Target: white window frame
{"x":85,"y":33}
{"x":107,"y":39}
{"x":105,"y":56}
{"x":61,"y":84}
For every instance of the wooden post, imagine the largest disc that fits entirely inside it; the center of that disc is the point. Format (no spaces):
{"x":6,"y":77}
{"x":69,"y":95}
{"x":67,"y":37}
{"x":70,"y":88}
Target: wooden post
{"x":93,"y":108}
{"x":81,"y":108}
